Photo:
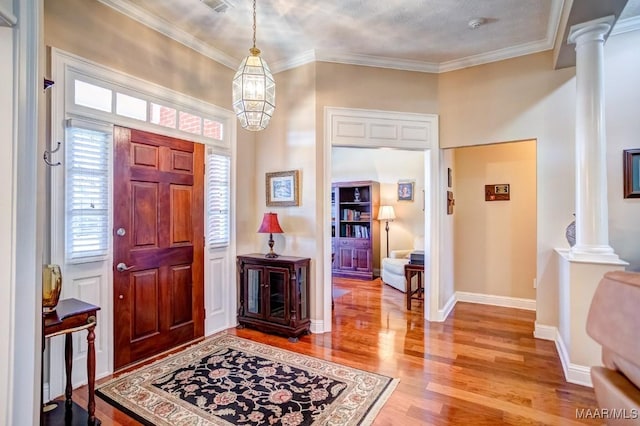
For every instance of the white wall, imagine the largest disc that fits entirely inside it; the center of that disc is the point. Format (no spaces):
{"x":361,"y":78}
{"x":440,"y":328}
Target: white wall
{"x":6,"y":218}
{"x":387,"y":166}
{"x":622,"y":95}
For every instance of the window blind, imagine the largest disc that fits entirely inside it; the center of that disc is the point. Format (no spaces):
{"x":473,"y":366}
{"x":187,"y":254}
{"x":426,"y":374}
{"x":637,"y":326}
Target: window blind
{"x":218,"y":199}
{"x":87,"y":194}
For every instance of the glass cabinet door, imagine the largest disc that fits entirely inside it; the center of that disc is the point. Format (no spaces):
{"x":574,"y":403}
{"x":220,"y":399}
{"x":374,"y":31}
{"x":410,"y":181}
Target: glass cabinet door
{"x":302,"y":287}
{"x":278,"y":280}
{"x":253,"y":291}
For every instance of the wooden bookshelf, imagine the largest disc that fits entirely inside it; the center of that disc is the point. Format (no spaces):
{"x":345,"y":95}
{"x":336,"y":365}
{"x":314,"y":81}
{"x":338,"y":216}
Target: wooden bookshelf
{"x":354,"y":228}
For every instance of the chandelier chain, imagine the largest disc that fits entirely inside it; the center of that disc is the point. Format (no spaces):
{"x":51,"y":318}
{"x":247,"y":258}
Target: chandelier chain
{"x":254,"y":24}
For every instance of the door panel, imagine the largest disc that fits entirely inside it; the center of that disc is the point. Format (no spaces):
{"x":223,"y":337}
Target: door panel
{"x":181,"y":295}
{"x":144,"y":203}
{"x":181,"y":226}
{"x":158,"y":198}
{"x":145,"y":293}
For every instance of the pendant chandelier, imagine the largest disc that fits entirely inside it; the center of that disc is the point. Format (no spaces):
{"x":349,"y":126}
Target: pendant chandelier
{"x":254,"y":90}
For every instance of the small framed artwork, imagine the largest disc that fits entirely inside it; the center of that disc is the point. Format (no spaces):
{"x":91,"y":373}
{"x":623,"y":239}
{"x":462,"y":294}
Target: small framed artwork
{"x":497,"y":192}
{"x":631,"y":173}
{"x":282,"y":188}
{"x":405,"y":191}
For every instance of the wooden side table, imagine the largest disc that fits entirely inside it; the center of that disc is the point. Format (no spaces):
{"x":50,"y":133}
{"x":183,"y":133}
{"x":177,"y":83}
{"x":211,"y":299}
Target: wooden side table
{"x":410,"y":270}
{"x":73,"y":315}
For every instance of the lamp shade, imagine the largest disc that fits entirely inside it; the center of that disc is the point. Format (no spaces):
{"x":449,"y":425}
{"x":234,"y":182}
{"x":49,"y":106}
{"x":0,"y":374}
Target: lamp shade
{"x":386,"y":213}
{"x":270,"y":224}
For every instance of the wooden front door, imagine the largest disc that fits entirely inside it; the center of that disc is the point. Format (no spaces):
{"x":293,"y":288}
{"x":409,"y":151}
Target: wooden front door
{"x":158,"y":272}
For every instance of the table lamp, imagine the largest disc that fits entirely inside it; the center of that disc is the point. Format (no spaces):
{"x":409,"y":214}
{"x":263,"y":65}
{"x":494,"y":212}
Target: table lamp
{"x":270,"y":226}
{"x":387,"y":214}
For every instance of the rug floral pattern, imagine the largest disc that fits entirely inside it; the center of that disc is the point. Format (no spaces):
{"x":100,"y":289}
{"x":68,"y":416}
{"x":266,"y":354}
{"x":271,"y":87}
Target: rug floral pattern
{"x":227,"y":380}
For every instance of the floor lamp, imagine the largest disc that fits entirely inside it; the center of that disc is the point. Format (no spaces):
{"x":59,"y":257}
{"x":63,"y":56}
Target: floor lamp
{"x":387,"y":214}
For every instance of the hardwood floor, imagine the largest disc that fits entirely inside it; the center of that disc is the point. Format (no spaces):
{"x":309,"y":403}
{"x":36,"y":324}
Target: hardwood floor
{"x":481,"y":366}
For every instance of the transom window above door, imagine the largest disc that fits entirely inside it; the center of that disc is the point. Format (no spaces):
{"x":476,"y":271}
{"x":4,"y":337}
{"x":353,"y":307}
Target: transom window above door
{"x":102,"y":98}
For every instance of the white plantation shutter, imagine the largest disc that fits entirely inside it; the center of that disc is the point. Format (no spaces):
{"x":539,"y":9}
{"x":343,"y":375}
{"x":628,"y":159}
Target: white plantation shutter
{"x":87,"y":192}
{"x":218,"y":199}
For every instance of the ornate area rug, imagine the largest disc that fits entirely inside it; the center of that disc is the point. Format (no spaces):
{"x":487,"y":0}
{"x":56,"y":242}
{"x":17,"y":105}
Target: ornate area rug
{"x":228,"y":380}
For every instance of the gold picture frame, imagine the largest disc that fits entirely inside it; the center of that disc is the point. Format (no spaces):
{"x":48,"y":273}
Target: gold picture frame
{"x":282,"y":189}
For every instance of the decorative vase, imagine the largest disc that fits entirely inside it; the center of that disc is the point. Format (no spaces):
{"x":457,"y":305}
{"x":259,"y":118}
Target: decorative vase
{"x":51,"y":287}
{"x":571,"y":233}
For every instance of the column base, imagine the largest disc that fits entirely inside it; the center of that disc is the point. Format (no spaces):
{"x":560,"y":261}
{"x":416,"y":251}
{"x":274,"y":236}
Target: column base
{"x":595,"y":254}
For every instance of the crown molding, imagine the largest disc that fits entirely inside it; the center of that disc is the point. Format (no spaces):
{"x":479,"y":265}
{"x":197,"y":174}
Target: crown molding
{"x":626,"y":25}
{"x":496,"y":55}
{"x":171,"y":31}
{"x":297,"y":61}
{"x":7,"y":19}
{"x":376,"y":61}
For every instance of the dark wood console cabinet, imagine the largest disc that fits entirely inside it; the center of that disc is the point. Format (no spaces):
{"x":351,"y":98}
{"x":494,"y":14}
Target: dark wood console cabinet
{"x":274,"y":294}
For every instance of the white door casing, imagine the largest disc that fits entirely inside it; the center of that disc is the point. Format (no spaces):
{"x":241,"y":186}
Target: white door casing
{"x":349,"y":127}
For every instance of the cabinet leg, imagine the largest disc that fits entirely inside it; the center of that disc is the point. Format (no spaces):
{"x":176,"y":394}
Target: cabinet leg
{"x":68,"y":363}
{"x":293,"y":339}
{"x":240,"y":326}
{"x":91,"y":374}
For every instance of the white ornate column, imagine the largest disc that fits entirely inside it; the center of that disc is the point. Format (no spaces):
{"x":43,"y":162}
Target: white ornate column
{"x":592,"y":219}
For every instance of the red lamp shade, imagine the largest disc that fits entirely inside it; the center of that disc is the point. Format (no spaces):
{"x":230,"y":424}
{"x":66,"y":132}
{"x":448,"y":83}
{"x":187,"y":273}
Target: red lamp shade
{"x":270,"y":226}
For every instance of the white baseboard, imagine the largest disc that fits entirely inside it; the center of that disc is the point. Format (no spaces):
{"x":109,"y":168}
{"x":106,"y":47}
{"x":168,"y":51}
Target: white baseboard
{"x":443,"y":313}
{"x":573,"y":373}
{"x":545,"y":332}
{"x":489,"y":299}
{"x":317,"y":326}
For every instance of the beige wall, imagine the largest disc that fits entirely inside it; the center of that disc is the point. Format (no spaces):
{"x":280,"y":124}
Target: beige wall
{"x":447,"y":264}
{"x":522,"y":99}
{"x":387,"y":167}
{"x":353,"y":86}
{"x":97,"y":32}
{"x":289,"y":144}
{"x":495,"y":241}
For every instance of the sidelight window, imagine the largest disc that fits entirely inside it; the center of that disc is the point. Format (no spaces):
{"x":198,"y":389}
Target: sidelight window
{"x":218,"y":199}
{"x":87,"y":191}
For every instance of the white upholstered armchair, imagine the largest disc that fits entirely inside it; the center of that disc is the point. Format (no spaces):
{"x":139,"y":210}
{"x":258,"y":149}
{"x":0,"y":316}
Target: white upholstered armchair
{"x":393,"y":266}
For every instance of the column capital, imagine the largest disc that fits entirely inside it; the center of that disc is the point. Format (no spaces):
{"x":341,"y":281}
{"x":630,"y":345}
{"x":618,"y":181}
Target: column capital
{"x":594,"y":30}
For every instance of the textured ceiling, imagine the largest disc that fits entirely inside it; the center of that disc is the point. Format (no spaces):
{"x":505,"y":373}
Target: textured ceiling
{"x":427,"y":35}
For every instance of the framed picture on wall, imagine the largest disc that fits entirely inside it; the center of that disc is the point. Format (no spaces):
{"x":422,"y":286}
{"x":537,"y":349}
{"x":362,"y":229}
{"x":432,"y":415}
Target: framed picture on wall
{"x":282,"y":189}
{"x":405,"y":190}
{"x":631,"y":172}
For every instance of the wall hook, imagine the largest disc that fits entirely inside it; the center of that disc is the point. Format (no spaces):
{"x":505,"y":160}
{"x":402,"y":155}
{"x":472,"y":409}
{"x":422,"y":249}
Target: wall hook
{"x":48,"y":83}
{"x":47,"y":155}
